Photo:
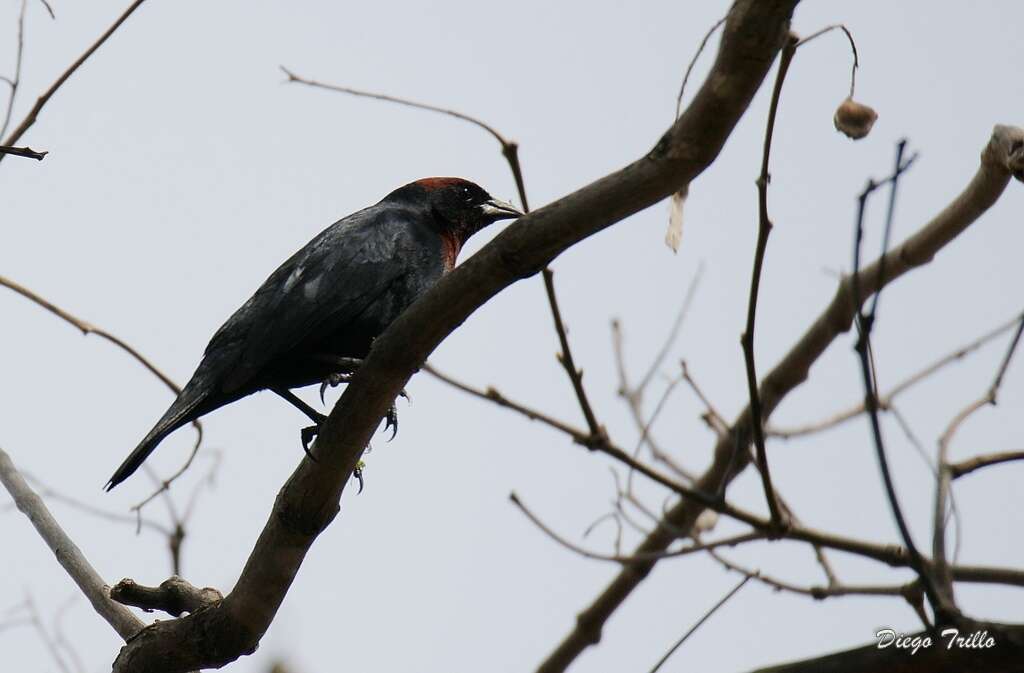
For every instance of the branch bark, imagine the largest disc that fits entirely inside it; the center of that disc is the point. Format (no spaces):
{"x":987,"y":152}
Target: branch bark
{"x":68,"y":554}
{"x":174,"y":596}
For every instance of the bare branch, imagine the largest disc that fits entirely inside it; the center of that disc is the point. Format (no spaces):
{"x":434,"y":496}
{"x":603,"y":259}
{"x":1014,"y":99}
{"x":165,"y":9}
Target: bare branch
{"x":700,"y":622}
{"x":670,"y":339}
{"x":886,"y":401}
{"x":815,"y":592}
{"x":945,"y":475}
{"x":763,"y":230}
{"x":941,"y":600}
{"x":23,"y":152}
{"x":1002,"y":158}
{"x":174,"y":596}
{"x":292,"y":77}
{"x":960,"y":469}
{"x":88,"y":328}
{"x":853,"y":48}
{"x":30,"y":118}
{"x":493,"y":395}
{"x":636,"y":558}
{"x":565,"y":358}
{"x":15,"y":81}
{"x":46,"y":492}
{"x":634,"y":402}
{"x":68,"y":554}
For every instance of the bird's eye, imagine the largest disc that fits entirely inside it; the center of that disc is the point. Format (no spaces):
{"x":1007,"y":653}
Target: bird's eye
{"x":466,"y":195}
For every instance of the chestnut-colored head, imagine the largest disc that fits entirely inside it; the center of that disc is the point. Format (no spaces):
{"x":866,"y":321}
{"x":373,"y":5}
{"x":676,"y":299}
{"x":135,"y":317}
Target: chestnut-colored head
{"x":461,"y":207}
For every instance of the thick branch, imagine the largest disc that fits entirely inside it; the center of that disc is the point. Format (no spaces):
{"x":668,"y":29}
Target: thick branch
{"x":68,"y":554}
{"x":174,"y":596}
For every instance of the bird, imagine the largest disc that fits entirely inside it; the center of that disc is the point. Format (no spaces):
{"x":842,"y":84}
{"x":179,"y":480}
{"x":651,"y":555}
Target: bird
{"x":315,"y":318}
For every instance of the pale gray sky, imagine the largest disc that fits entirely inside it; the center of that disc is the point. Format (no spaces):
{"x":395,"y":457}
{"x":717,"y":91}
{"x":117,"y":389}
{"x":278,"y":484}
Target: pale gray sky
{"x":182,"y":171}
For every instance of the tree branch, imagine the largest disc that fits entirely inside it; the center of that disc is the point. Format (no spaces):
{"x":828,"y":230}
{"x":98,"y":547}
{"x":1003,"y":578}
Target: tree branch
{"x":1002,"y":157}
{"x":30,"y":118}
{"x":27,"y":152}
{"x":68,"y":554}
{"x":88,"y":328}
{"x":764,"y":228}
{"x":174,"y":596}
{"x":965,"y":467}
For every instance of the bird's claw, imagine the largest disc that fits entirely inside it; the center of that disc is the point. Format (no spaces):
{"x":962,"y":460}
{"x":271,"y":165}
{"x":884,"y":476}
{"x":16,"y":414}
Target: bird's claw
{"x":358,"y":474}
{"x":332,"y":381}
{"x":307,"y":436}
{"x":391,"y":421}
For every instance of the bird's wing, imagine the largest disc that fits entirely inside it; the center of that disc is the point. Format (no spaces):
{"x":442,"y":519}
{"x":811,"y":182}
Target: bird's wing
{"x":327,"y":283}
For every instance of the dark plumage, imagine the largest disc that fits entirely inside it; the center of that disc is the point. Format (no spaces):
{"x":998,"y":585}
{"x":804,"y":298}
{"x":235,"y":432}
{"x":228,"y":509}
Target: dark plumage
{"x":331,"y":299}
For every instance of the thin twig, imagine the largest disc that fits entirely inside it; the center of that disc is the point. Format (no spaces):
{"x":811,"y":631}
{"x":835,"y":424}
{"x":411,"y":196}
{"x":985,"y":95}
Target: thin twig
{"x":49,"y":9}
{"x":700,"y":622}
{"x":816,"y":592}
{"x":566,"y":360}
{"x":763,"y":230}
{"x":645,"y":430}
{"x":47,"y":492}
{"x":15,"y":81}
{"x":292,"y":77}
{"x":493,"y":395}
{"x":965,"y":467}
{"x":693,"y":61}
{"x":853,"y":47}
{"x":886,"y":401}
{"x":44,"y":635}
{"x":673,"y":333}
{"x":634,"y":401}
{"x":639,"y":557}
{"x":61,"y":640}
{"x":942,"y":605}
{"x":27,"y":152}
{"x":711,"y":416}
{"x":88,"y":328}
{"x":30,"y":118}
{"x":945,"y":474}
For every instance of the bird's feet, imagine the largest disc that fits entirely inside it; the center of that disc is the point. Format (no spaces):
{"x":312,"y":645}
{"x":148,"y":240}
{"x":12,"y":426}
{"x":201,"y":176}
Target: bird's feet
{"x":347,"y":369}
{"x":307,"y":435}
{"x":391,"y":419}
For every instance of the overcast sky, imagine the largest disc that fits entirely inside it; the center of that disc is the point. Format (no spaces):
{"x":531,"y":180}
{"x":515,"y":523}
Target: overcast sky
{"x":182,"y":172}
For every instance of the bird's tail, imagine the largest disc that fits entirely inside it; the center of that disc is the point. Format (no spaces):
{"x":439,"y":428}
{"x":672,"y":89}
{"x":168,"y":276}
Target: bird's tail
{"x":184,"y":410}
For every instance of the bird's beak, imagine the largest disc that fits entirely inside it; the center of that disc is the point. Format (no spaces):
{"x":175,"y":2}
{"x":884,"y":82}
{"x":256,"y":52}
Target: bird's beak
{"x":496,"y":209}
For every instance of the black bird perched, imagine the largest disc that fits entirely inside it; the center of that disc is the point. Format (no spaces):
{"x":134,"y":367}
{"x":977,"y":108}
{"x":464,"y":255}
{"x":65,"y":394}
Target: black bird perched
{"x":318,"y":313}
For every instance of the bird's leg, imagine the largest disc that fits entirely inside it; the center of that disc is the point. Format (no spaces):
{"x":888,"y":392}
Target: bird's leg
{"x":310,"y":432}
{"x":347,"y":367}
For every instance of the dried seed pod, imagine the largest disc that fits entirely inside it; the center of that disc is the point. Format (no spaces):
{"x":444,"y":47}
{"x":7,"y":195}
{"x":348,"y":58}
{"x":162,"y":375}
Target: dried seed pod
{"x":854,"y":119}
